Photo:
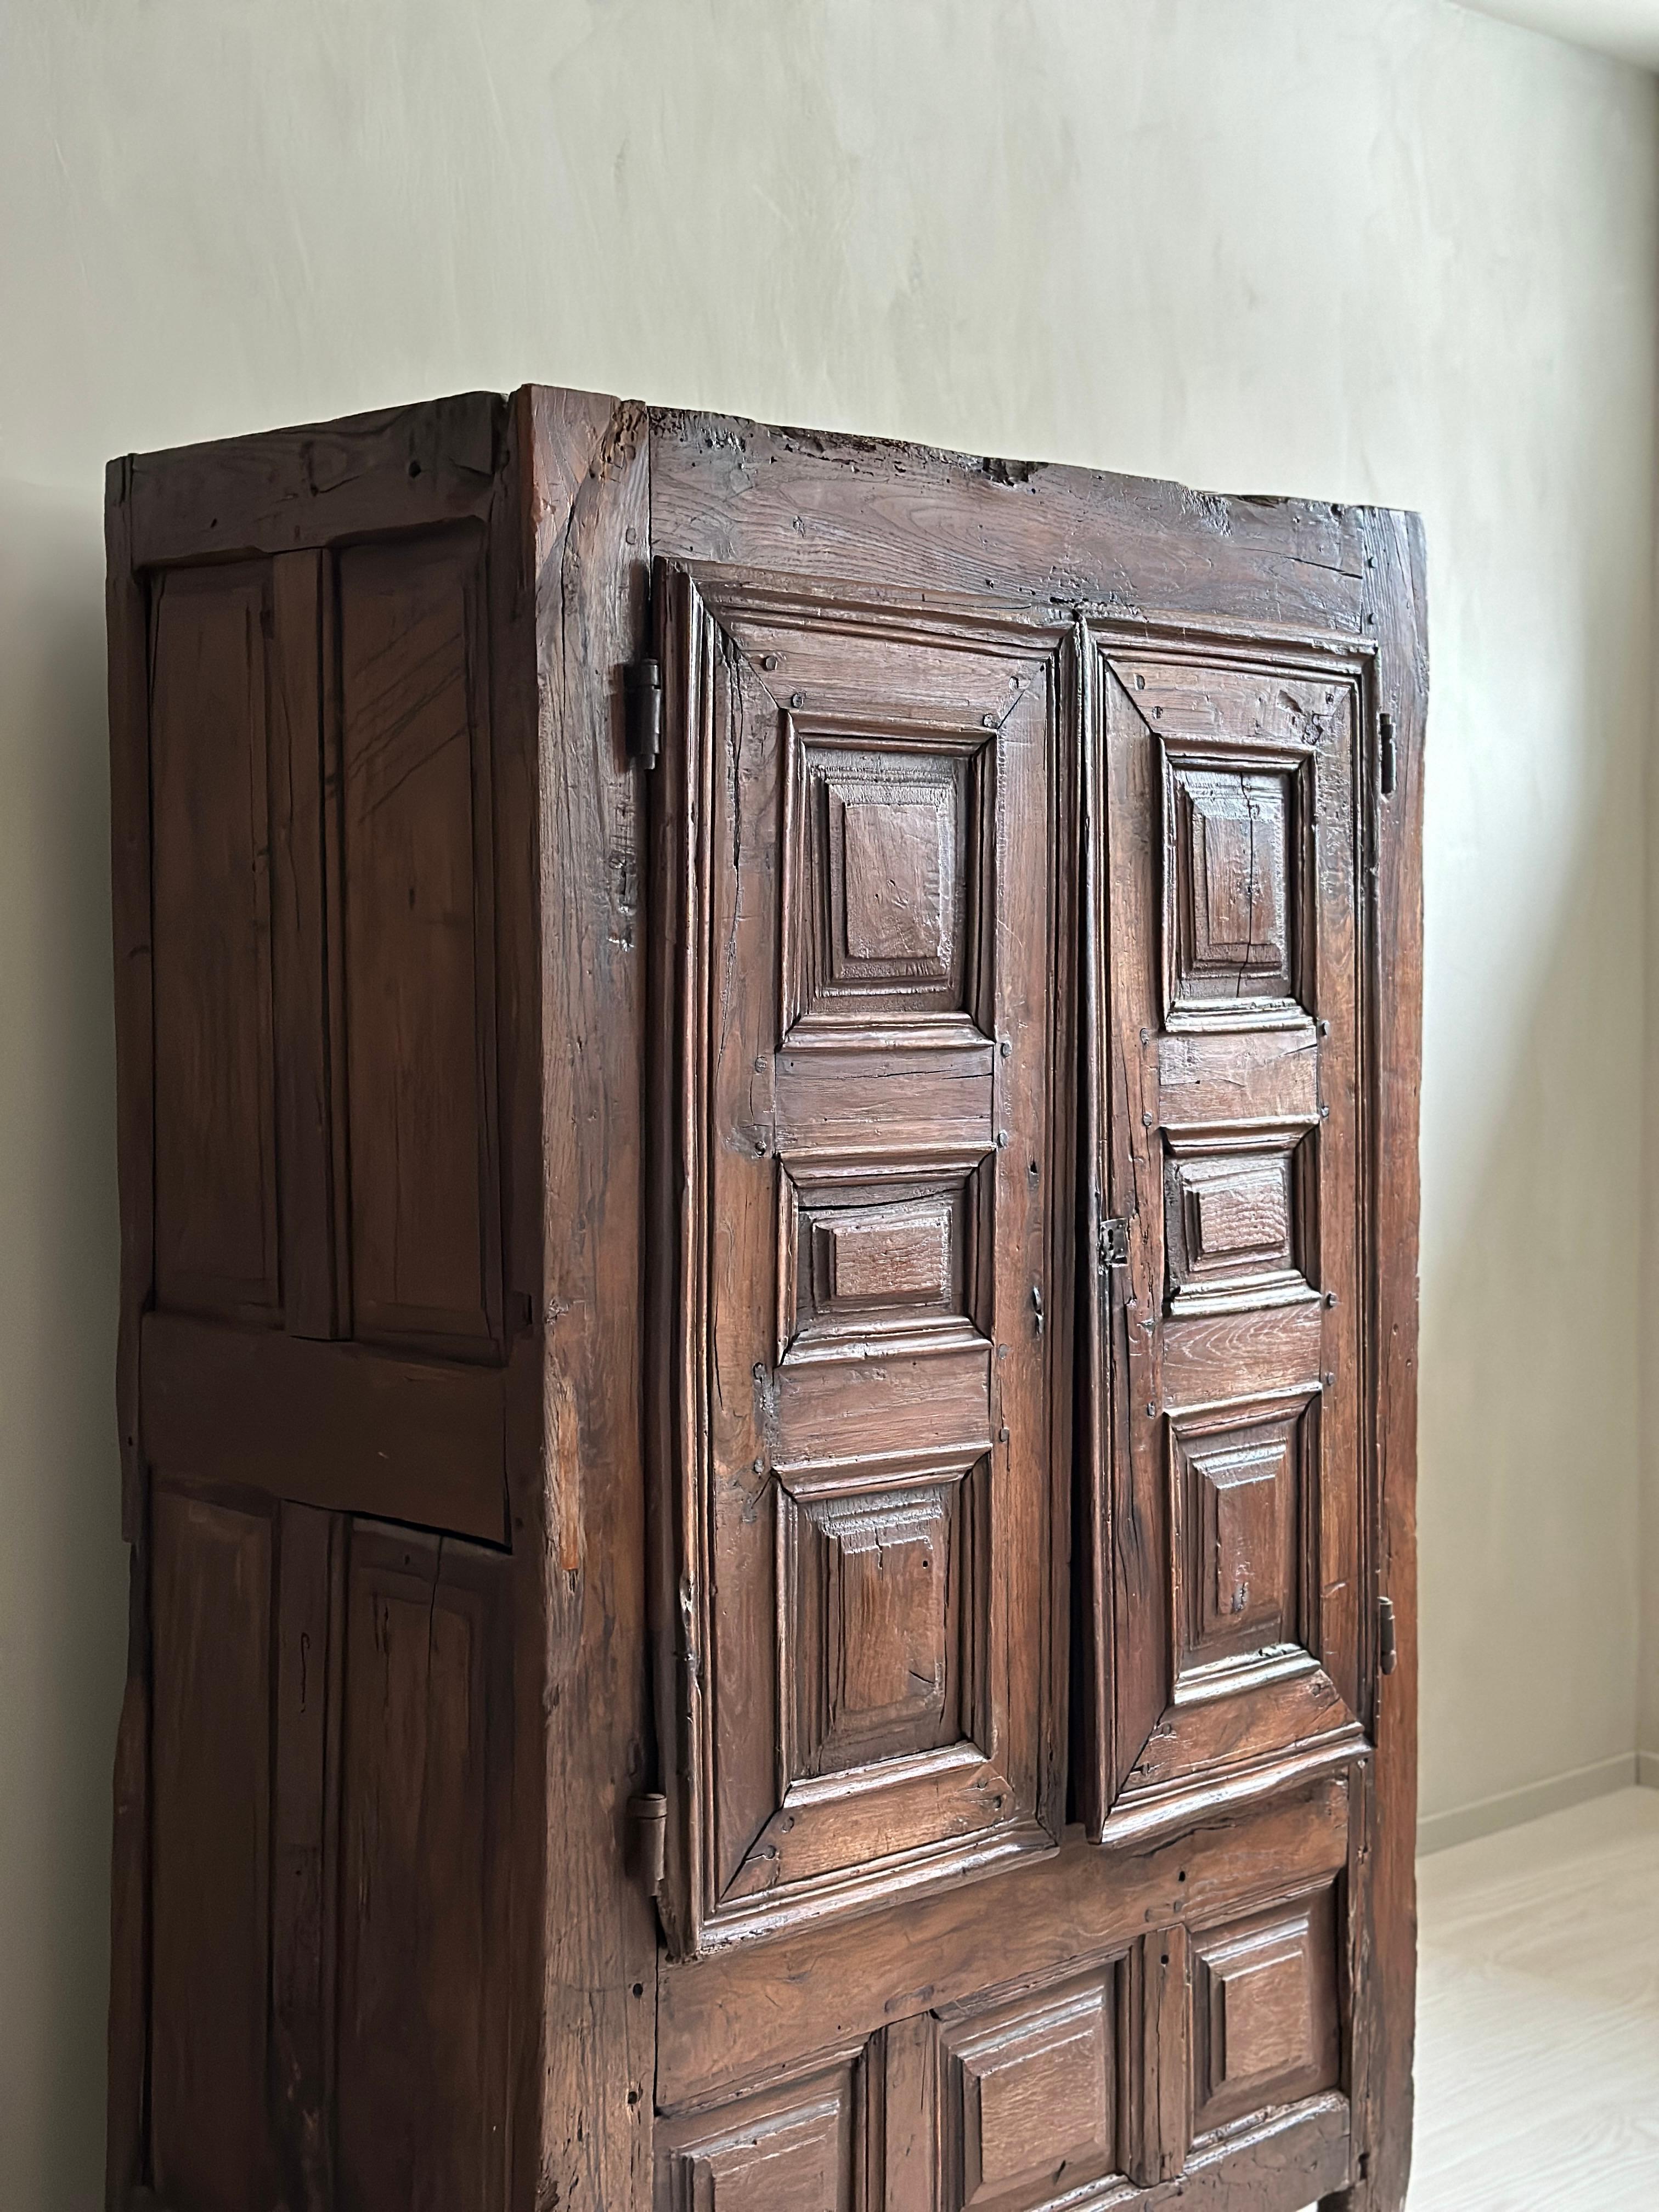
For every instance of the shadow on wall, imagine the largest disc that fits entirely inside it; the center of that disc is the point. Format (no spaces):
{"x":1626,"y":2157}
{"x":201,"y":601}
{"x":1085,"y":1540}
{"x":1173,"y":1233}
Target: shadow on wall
{"x":63,"y":1571}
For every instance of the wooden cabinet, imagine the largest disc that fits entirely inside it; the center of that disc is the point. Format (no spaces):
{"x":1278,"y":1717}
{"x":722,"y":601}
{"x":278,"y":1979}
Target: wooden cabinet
{"x":767,"y":1121}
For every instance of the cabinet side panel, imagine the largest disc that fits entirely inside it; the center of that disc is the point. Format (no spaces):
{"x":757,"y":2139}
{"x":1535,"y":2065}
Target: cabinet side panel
{"x":210,"y":2146}
{"x":421,"y":2089}
{"x":419,"y":1075}
{"x":216,"y":1165}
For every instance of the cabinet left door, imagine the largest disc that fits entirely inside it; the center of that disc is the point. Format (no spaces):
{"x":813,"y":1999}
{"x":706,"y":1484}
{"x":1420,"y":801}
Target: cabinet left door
{"x":859,"y":1352}
{"x":322,"y":1330}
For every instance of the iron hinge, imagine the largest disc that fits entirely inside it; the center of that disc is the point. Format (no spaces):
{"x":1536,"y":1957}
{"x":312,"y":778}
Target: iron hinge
{"x":648,"y":1816}
{"x":642,"y":690}
{"x":1386,"y":764}
{"x":1387,"y":1641}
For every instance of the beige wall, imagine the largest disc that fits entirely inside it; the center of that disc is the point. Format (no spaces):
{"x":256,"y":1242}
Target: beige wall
{"x":1363,"y":249}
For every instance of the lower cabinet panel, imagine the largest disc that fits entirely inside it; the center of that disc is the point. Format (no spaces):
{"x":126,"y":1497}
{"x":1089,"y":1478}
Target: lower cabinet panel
{"x":1029,"y":2093}
{"x":1188,"y":2046}
{"x":421,"y":2113}
{"x":793,"y":2148}
{"x":329,"y":1756}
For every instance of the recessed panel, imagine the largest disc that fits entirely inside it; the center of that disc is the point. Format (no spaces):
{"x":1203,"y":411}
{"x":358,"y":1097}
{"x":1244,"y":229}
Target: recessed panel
{"x":789,"y":2149}
{"x":1231,"y":1233}
{"x":1265,"y":2019}
{"x":885,"y":907}
{"x":415,"y":943}
{"x":214,"y":1151}
{"x":875,"y":1632}
{"x":866,"y":1255}
{"x":1238,"y":1503}
{"x":1030,"y":2100}
{"x":1231,"y":886}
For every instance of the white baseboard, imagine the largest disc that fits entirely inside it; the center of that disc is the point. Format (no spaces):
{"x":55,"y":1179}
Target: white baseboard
{"x":1647,"y":1769}
{"x":1438,"y":1832}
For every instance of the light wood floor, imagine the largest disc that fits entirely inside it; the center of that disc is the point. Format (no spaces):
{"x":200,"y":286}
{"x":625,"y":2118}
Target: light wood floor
{"x":1538,"y":2016}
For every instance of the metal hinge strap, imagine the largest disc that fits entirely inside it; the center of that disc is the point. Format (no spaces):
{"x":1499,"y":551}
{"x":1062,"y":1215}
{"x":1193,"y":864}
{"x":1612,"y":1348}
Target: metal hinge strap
{"x":1388,"y":1640}
{"x":648,"y":1817}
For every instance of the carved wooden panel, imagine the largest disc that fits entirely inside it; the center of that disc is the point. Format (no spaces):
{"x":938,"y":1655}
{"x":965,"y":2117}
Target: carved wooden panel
{"x":1230,"y":886}
{"x":869,"y":1196}
{"x":1266,"y":2025}
{"x":417,"y":945}
{"x":891,"y":847}
{"x":1240,"y":1550}
{"x":897,"y":1254}
{"x":1229,"y":1136}
{"x":879,"y":1611}
{"x":216,"y":1158}
{"x":1235,"y":1217}
{"x":1030,"y":2095}
{"x":789,"y":2149}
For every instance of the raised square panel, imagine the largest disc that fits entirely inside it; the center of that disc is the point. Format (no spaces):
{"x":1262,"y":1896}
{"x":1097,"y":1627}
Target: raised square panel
{"x":898,"y":878}
{"x":1231,"y":1229}
{"x":1238,"y":1211}
{"x":1230,"y":885}
{"x":883,"y":908}
{"x":1237,"y":1486}
{"x":1030,"y":2097}
{"x":878,"y":1255}
{"x":789,"y":2149}
{"x":1265,"y":2021}
{"x":875,"y":1629}
{"x":889,"y":1256}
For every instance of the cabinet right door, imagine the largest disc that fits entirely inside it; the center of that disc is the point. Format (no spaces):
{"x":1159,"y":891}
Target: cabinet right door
{"x":1232,"y":1494}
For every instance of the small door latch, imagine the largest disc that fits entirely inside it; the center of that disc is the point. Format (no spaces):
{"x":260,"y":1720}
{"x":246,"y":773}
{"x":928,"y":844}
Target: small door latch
{"x":1114,"y":1242}
{"x":1387,"y":1641}
{"x":642,"y":693}
{"x":1386,"y":760}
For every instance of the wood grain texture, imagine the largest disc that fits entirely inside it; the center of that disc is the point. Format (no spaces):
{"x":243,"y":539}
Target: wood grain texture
{"x":216,"y":1247}
{"x":305,"y":1104}
{"x":210,"y":2138}
{"x":740,"y":2013}
{"x":310,"y":1666}
{"x":1385,"y":1930}
{"x":585,"y":1528}
{"x":826,"y":502}
{"x":341,"y":1426}
{"x":418,"y":943}
{"x":423,"y":2086}
{"x":408,"y":468}
{"x":881,"y":799}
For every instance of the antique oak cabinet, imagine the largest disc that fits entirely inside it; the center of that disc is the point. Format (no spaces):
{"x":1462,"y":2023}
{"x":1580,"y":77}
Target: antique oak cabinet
{"x":768,"y":1096}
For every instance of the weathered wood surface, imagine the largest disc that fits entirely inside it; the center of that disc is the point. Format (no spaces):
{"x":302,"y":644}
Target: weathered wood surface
{"x":589,"y":500}
{"x":409,"y":468}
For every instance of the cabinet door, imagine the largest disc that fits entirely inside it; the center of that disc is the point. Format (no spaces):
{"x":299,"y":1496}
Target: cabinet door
{"x":1229,"y":1102}
{"x":862,"y":864}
